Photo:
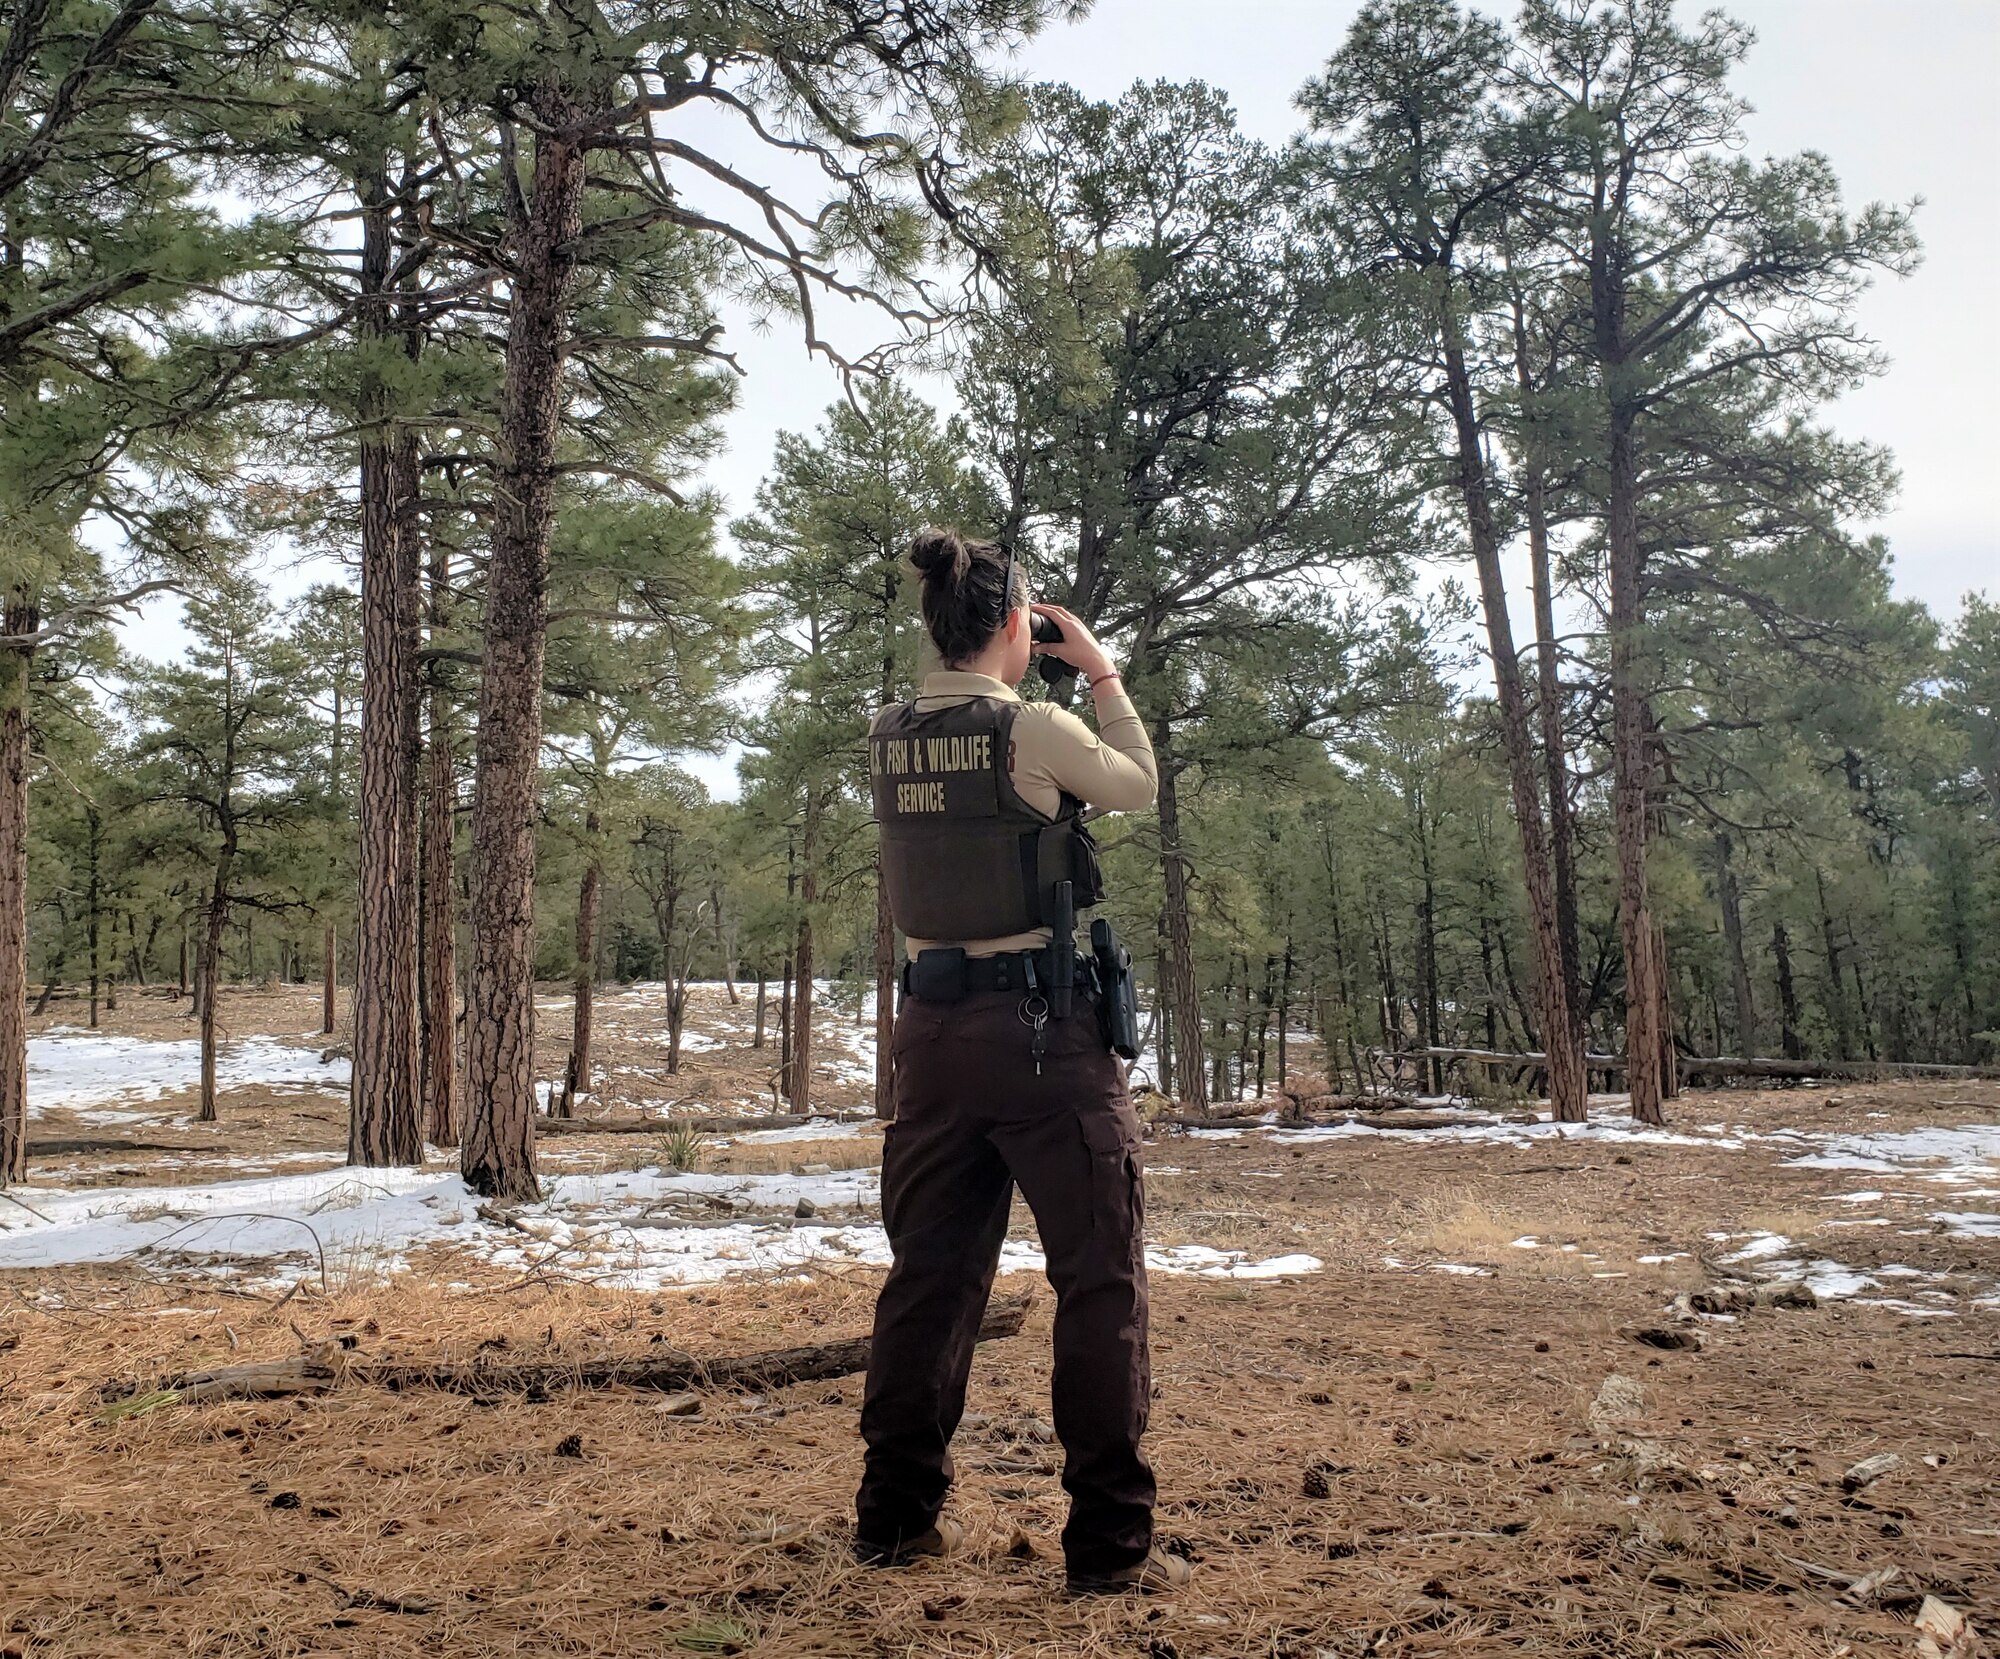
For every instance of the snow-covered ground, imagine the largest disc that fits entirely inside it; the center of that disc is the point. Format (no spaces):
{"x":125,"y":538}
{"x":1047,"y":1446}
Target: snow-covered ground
{"x":1958,"y":1157}
{"x":105,"y":1079}
{"x":625,"y":1230}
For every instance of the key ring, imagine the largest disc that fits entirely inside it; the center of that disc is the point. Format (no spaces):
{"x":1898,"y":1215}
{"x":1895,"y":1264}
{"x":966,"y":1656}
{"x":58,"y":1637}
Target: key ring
{"x":1034,"y":1011}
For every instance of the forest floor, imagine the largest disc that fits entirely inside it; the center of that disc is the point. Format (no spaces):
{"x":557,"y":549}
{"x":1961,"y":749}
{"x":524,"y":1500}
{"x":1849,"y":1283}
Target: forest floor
{"x":1384,"y":1421}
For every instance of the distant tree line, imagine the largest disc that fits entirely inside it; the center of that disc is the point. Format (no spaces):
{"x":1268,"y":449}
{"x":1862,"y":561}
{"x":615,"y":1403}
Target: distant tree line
{"x":437,"y":290}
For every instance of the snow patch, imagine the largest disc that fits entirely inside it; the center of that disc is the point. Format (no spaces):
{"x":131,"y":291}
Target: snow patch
{"x":613,"y":1229}
{"x":88,"y":1072}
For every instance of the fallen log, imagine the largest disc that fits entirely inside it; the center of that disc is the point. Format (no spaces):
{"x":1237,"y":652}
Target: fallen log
{"x":669,"y":1372}
{"x":702,"y":1125}
{"x":1367,"y":1120}
{"x":1725,"y":1065}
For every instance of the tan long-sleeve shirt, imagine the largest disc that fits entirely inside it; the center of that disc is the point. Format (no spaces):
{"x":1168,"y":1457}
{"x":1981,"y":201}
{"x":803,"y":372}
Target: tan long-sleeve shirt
{"x":1055,"y":753}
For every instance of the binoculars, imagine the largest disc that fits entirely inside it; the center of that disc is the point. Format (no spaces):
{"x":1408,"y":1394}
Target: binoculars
{"x":1044,"y":631}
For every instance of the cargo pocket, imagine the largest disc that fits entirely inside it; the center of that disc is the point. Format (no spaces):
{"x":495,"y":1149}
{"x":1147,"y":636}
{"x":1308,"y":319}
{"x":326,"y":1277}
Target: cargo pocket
{"x":1113,"y":1139}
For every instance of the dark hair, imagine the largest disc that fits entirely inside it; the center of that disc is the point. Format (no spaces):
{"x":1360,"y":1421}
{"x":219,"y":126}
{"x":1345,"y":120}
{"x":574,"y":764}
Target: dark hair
{"x":965,"y":590}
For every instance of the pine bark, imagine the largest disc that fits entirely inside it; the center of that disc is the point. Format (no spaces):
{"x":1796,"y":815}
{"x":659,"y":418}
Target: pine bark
{"x":17,"y":617}
{"x":329,"y":962}
{"x":885,"y":998}
{"x":93,"y":891}
{"x":1729,"y":897}
{"x":383,"y":1123}
{"x":1569,"y":1084}
{"x":440,"y":921}
{"x":208,"y":967}
{"x":1549,"y":702}
{"x":798,"y":1076}
{"x":1183,"y":996}
{"x":576,"y":1076}
{"x":499,"y":1149}
{"x":1643,"y":988}
{"x":1788,"y":1001}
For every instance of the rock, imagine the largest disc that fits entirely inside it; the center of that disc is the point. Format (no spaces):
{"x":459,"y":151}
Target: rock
{"x":1659,"y":1336}
{"x":1730,"y":1296}
{"x":1793,"y":1293}
{"x":1020,"y":1546}
{"x":805,"y":1209}
{"x":1035,"y":1428}
{"x":814,"y":1169}
{"x":1619,"y":1400}
{"x":1944,"y":1633}
{"x":1868,"y":1471}
{"x":682,"y":1404}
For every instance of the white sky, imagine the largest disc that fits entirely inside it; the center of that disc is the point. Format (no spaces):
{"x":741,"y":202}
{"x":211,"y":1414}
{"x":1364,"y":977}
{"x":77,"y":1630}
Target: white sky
{"x":1902,"y":97}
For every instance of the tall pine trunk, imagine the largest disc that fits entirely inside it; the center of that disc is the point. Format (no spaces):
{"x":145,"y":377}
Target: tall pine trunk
{"x":440,"y":921}
{"x":383,"y":1124}
{"x":1644,"y":993}
{"x":1569,"y":1085}
{"x":798,"y":1076}
{"x":499,"y":1149}
{"x":1549,"y":700}
{"x":208,"y":968}
{"x":93,"y":895}
{"x":885,"y":998}
{"x":1183,"y":997}
{"x":1730,"y":898}
{"x":576,"y":1076}
{"x":19,"y":618}
{"x":329,"y":960}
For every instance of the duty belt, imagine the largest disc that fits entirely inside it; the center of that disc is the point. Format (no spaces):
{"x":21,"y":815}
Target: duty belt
{"x":948,"y":975}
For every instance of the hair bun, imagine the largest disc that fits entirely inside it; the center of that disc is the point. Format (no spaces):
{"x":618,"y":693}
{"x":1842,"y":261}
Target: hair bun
{"x":940,"y":554}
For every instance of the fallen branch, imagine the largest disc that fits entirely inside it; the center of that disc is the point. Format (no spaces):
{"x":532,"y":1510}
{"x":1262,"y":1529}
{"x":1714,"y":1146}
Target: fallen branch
{"x":704,"y":1125}
{"x":671,"y":1371}
{"x":1725,"y":1065}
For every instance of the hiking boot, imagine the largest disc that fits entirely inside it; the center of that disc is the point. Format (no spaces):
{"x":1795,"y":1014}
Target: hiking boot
{"x":943,"y":1539}
{"x":1156,"y":1572}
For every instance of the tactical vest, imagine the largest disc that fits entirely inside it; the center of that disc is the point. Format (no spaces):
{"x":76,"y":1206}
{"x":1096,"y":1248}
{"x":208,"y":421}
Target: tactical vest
{"x":963,"y":856}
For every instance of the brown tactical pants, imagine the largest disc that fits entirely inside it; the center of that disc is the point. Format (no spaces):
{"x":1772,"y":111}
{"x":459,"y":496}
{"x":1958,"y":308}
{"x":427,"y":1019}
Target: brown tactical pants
{"x":972,"y":1120}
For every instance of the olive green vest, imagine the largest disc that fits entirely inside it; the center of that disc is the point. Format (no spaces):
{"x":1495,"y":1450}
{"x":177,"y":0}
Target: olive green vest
{"x":963,"y":856}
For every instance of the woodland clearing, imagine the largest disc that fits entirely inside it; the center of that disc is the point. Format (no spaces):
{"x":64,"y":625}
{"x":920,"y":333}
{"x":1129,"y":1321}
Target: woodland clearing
{"x":1411,"y":1447}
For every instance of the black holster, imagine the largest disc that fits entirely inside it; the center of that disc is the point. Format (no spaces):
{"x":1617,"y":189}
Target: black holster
{"x":1118,"y":995}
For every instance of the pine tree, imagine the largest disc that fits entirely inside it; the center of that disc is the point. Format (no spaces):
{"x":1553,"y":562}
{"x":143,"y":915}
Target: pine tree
{"x":105,"y":245}
{"x":1420,"y":170}
{"x":1190,"y":426}
{"x":841,"y":637}
{"x":1694,"y":267}
{"x":582,"y":107}
{"x":219,"y":747}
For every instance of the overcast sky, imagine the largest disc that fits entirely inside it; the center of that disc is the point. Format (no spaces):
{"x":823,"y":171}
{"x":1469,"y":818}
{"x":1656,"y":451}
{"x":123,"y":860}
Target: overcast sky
{"x":1902,"y":96}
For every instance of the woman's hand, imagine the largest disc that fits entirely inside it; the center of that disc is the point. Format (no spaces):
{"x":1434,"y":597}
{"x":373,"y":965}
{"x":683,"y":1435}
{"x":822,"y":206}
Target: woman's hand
{"x":1078,"y":647}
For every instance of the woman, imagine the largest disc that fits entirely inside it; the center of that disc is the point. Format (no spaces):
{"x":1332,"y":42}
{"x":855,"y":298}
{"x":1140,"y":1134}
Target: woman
{"x":978,"y":796}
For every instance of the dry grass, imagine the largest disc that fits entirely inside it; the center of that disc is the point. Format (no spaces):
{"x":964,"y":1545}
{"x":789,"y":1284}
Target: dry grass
{"x":1377,"y":1465}
{"x":779,"y":1157}
{"x":1365,"y":1462}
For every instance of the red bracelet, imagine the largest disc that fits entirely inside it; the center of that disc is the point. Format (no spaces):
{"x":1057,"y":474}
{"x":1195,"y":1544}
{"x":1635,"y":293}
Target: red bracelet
{"x":1104,"y":679}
